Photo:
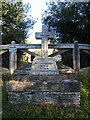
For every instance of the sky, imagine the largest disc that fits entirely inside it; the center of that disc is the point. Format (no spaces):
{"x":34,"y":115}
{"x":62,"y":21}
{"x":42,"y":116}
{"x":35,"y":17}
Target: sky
{"x":37,"y":7}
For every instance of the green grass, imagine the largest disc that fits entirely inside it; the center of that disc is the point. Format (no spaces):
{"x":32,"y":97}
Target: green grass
{"x":36,"y":112}
{"x":46,"y":111}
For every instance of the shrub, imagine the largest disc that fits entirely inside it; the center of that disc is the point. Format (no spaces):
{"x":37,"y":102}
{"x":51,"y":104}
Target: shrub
{"x":84,"y":79}
{"x":6,"y":77}
{"x":6,"y":74}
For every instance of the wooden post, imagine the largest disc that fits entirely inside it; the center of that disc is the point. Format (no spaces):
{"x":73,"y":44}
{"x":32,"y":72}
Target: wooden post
{"x":15,"y":60}
{"x":13,"y":57}
{"x":76,"y":57}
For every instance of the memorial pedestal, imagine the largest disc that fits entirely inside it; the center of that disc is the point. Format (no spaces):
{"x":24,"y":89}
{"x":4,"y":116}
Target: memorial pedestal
{"x":65,"y":92}
{"x":44,"y":66}
{"x":44,"y":84}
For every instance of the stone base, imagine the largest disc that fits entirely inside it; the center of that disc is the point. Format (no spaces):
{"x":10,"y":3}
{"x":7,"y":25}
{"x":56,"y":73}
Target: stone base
{"x":65,"y":92}
{"x":21,"y":77}
{"x":37,"y":97}
{"x":44,"y":66}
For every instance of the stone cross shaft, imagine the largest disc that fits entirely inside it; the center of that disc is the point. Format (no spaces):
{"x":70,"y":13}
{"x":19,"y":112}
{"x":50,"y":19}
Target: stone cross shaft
{"x":44,"y":35}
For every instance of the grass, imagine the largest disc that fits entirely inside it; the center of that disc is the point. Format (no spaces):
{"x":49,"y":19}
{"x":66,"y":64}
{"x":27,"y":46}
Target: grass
{"x":49,"y":111}
{"x":44,"y":111}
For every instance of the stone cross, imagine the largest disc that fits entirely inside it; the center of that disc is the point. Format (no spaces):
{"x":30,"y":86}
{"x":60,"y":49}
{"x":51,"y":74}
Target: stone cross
{"x":44,"y":35}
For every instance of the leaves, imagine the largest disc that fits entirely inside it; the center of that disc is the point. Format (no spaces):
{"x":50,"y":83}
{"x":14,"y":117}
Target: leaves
{"x":71,"y":21}
{"x":15,"y":25}
{"x":15,"y":22}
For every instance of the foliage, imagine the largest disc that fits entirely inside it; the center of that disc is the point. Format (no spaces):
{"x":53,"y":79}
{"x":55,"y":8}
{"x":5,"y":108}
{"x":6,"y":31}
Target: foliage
{"x":84,"y":79}
{"x":38,"y":52}
{"x":27,"y":111}
{"x":15,"y":22}
{"x":85,"y":93}
{"x":15,"y":25}
{"x":6,"y":77}
{"x":70,"y":21}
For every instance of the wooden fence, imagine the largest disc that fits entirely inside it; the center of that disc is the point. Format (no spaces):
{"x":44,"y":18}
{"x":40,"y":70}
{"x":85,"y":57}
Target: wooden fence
{"x":13,"y":52}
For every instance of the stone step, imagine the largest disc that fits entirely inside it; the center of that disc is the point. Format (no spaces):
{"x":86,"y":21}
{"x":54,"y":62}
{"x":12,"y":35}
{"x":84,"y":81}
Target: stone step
{"x":47,"y":85}
{"x":66,"y":92}
{"x":26,"y":77}
{"x":38,"y":97}
{"x":22,"y":72}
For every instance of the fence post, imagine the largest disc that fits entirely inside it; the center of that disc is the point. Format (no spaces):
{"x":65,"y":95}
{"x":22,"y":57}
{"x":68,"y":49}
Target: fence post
{"x":76,"y":57}
{"x":13,"y":57}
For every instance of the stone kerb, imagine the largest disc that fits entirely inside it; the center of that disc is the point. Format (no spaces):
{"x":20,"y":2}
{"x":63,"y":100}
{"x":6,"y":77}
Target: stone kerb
{"x":62,"y":86}
{"x":64,"y":92}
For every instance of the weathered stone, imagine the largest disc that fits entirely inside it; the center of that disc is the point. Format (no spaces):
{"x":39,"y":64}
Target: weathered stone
{"x":47,"y":85}
{"x":44,"y":35}
{"x":58,"y":58}
{"x":33,"y":86}
{"x":62,"y":92}
{"x":68,"y":98}
{"x":41,"y":82}
{"x":26,"y":77}
{"x":85,"y":71}
{"x":65,"y":69}
{"x":70,"y":86}
{"x":44,"y":66}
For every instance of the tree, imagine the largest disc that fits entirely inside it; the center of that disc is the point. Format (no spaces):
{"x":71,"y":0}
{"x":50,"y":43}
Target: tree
{"x":15,"y":25}
{"x":15,"y":22}
{"x":70,"y":21}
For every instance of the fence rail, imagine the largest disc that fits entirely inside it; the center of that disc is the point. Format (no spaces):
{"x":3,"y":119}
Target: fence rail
{"x":51,"y":46}
{"x":74,"y":46}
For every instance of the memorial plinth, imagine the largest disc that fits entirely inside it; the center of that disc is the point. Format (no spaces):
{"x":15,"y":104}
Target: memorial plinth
{"x":44,"y":83}
{"x":44,"y":66}
{"x":65,"y":92}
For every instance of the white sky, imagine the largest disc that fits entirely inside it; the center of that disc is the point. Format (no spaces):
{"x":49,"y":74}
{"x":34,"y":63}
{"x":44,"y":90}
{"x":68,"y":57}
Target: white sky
{"x":37,"y":6}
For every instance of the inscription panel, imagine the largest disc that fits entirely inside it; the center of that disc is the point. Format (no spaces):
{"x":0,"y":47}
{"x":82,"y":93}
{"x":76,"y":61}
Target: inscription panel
{"x":44,"y":66}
